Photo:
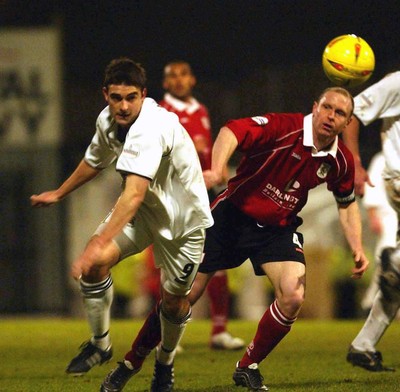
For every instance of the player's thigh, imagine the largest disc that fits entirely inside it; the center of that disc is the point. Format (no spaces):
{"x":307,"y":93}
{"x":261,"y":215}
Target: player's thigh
{"x":179,"y":261}
{"x":199,"y":286}
{"x":287,"y":277}
{"x":131,"y":240}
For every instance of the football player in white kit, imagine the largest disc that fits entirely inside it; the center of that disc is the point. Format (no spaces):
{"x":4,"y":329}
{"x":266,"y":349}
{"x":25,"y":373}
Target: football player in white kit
{"x":382,"y":220}
{"x":379,"y":101}
{"x":163,"y":202}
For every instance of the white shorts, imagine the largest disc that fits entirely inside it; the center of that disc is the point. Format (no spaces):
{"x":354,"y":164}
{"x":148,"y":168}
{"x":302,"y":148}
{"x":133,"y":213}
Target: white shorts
{"x":178,"y":258}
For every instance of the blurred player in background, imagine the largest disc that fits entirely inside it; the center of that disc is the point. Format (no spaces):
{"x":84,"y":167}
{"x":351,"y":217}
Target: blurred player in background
{"x":179,"y":82}
{"x":381,"y":101}
{"x":163,"y":202}
{"x":256,"y":217}
{"x":382,"y":221}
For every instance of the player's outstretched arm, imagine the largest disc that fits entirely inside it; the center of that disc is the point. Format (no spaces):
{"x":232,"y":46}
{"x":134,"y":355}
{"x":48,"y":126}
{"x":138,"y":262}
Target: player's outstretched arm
{"x":350,"y":219}
{"x":223,"y":148}
{"x":351,"y":139}
{"x":124,"y":210}
{"x":81,"y":175}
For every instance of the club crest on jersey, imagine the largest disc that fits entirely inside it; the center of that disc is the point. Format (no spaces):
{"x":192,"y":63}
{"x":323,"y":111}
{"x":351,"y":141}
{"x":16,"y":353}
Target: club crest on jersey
{"x":323,"y":170}
{"x":260,"y":120}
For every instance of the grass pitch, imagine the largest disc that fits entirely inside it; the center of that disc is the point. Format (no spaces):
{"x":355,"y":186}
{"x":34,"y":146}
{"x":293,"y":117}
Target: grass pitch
{"x":35,"y":352}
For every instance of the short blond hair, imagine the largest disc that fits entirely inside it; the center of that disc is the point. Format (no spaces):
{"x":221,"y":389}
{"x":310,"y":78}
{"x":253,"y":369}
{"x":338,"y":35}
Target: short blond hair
{"x":339,"y":90}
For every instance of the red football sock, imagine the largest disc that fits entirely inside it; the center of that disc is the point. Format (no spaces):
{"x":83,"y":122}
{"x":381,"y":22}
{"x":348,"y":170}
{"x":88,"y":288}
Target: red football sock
{"x":272,"y":328}
{"x":148,"y":338}
{"x":218,"y":293}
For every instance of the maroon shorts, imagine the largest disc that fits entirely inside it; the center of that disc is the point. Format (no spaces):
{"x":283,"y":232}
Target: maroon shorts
{"x":236,"y":237}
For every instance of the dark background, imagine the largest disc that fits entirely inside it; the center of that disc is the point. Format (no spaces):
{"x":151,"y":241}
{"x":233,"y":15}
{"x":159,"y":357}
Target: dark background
{"x":236,"y":48}
{"x":250,"y":57}
{"x":223,"y":39}
{"x":232,"y":46}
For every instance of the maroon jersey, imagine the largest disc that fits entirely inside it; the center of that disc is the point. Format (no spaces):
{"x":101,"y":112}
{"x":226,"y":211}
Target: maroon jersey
{"x":194,"y":117}
{"x":280,"y":165}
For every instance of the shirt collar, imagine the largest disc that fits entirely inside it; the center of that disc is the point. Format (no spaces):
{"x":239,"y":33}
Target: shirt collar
{"x":190,"y":107}
{"x":308,"y":140}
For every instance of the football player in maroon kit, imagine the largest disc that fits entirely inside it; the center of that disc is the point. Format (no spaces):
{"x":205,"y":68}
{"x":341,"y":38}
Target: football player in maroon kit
{"x":285,"y":155}
{"x":178,"y":83}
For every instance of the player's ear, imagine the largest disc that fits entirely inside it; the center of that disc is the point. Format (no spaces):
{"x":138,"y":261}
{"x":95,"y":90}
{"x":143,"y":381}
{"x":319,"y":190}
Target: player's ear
{"x":144,"y":92}
{"x":105,"y":93}
{"x":165,"y":84}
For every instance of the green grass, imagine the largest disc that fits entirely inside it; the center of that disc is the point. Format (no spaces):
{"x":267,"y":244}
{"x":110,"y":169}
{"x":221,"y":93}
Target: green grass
{"x":35,"y":352}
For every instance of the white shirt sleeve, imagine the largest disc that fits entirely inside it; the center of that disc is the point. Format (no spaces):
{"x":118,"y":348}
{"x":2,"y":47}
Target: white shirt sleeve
{"x":99,"y":153}
{"x":375,"y":196}
{"x":381,"y":100}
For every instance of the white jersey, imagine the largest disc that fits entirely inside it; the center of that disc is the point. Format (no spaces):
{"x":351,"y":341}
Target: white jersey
{"x":105,"y":147}
{"x":382,"y":101}
{"x":375,"y":197}
{"x":159,"y":148}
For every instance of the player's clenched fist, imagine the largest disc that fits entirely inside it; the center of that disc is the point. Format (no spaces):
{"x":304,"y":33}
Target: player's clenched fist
{"x":45,"y":199}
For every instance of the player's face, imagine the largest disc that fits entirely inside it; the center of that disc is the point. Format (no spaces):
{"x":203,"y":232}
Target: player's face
{"x":330,"y":117}
{"x":179,"y":81}
{"x":125,"y":103}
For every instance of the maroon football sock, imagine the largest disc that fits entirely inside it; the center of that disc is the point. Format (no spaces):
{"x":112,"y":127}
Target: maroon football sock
{"x":148,"y":338}
{"x":272,"y":328}
{"x":218,"y":293}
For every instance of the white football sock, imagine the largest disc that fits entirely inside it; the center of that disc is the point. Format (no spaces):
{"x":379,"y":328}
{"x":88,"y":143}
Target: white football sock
{"x":381,"y":315}
{"x":97,"y":299}
{"x":171,"y":334}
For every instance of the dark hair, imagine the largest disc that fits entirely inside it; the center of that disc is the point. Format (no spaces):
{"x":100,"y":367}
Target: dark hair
{"x":125,"y":71}
{"x":178,"y":61}
{"x":339,"y":90}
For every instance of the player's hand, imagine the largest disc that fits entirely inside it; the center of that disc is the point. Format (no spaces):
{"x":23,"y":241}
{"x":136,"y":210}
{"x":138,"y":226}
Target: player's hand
{"x":360,"y":179}
{"x":45,"y":199}
{"x":361,"y":265}
{"x":211,"y":178}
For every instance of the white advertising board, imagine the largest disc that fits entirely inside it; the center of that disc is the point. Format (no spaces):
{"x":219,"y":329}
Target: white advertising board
{"x":30,"y":87}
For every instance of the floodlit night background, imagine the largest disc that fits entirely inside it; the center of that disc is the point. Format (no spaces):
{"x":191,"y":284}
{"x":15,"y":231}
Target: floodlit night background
{"x":227,"y":42}
{"x":249,"y":57}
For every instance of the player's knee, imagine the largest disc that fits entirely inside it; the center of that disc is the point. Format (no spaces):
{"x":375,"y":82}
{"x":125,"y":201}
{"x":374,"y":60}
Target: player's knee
{"x":96,"y":274}
{"x":291,"y":303}
{"x":175,"y":307}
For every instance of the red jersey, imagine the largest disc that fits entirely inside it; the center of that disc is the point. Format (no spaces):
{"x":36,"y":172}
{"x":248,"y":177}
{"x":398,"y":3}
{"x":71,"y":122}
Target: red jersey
{"x":194,"y":117}
{"x":280,"y":165}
